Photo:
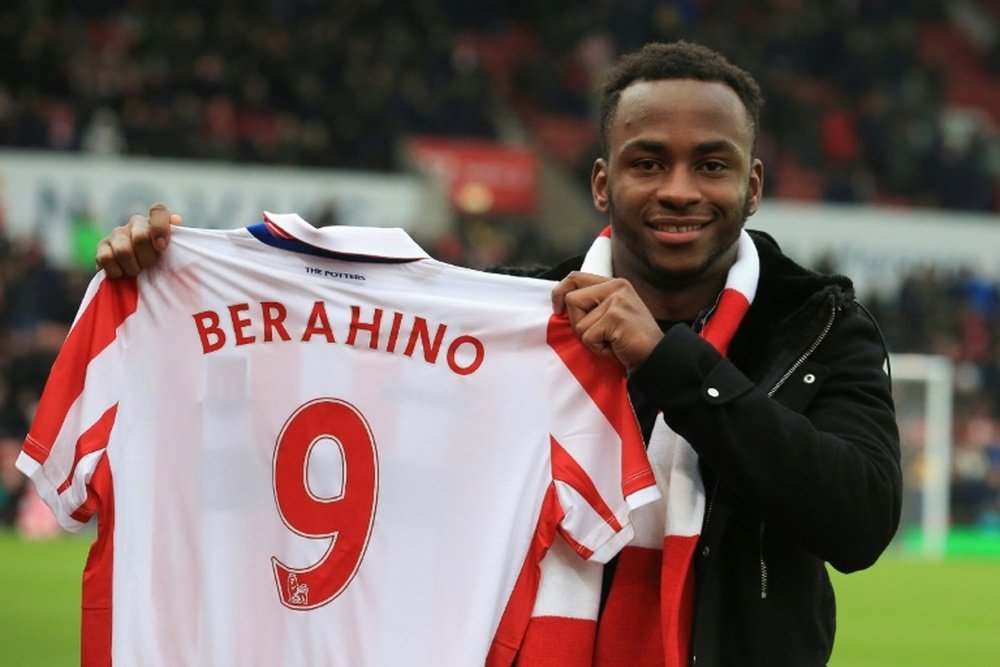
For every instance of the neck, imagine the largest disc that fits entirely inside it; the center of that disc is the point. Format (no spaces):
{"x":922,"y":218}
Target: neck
{"x":677,"y":302}
{"x":676,"y":297}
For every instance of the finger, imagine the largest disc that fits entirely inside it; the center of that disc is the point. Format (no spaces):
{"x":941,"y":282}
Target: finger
{"x":577,"y":305}
{"x":141,"y":236}
{"x":559,"y":292}
{"x":160,"y":221}
{"x":105,"y":259}
{"x":612,"y":319}
{"x":596,"y":332}
{"x":595,"y":325}
{"x":156,"y":210}
{"x":583,"y":300}
{"x":595,"y":342}
{"x":574,"y":281}
{"x":122,"y":249}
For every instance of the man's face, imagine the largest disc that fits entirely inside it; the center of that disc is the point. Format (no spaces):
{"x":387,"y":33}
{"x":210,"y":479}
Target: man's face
{"x":678,"y":183}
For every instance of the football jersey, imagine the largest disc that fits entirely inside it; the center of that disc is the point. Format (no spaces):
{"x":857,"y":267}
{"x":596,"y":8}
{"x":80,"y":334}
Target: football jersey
{"x":323,"y":447}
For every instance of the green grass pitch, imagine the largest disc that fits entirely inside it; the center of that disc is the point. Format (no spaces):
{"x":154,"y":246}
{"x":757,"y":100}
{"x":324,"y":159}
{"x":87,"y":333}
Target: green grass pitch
{"x":902,"y":612}
{"x":40,"y":600}
{"x":910,"y":612}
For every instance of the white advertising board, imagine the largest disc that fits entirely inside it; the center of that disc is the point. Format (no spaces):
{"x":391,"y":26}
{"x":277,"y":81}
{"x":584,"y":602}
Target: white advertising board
{"x":877,"y":246}
{"x":42,"y":192}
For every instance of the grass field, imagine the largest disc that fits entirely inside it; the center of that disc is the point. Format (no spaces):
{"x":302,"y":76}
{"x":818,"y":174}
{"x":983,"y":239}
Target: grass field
{"x":40,"y":600}
{"x":916,"y":613}
{"x":902,"y":612}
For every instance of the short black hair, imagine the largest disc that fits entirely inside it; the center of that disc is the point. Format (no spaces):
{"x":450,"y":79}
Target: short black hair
{"x":677,"y":60}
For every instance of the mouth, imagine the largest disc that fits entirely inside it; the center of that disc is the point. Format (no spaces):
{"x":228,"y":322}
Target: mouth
{"x":677,"y":229}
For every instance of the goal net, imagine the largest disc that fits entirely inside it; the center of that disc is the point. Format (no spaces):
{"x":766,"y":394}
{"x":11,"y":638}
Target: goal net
{"x":922,"y":390}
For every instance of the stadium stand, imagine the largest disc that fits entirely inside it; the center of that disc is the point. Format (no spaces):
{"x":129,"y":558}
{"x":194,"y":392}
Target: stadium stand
{"x":886,"y":101}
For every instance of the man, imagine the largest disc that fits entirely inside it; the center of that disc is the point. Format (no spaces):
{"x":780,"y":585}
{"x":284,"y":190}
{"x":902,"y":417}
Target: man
{"x":788,"y":410}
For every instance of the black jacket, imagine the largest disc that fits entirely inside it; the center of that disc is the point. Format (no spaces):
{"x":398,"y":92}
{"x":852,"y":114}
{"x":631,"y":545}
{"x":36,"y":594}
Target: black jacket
{"x":800,"y":454}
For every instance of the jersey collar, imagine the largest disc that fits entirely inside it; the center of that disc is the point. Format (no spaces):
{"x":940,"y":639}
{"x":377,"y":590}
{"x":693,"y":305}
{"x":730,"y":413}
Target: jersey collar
{"x":366,"y":244}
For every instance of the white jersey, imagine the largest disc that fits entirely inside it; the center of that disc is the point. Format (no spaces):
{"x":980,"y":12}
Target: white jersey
{"x":323,"y":447}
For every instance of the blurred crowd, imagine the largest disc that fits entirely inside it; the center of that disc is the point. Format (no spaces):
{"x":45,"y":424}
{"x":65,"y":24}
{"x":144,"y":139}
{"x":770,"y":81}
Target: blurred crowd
{"x":889,"y":101}
{"x":37,"y":305}
{"x":885,"y":101}
{"x":332,"y":83}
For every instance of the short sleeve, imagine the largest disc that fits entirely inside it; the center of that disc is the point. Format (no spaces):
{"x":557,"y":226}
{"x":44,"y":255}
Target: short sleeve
{"x":599,"y":464}
{"x":76,"y":414}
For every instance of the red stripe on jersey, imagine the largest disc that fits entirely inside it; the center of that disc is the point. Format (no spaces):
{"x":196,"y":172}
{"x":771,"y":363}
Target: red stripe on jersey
{"x":276,"y":230}
{"x":566,"y":469}
{"x":94,"y":438}
{"x":85,"y":511}
{"x":604,"y":381}
{"x":635,"y":594}
{"x":95,"y":634}
{"x":35,"y":450}
{"x":595,"y":373}
{"x":93,"y":331}
{"x":642,"y":478}
{"x":557,"y":641}
{"x":514,"y":621}
{"x":722,"y":325}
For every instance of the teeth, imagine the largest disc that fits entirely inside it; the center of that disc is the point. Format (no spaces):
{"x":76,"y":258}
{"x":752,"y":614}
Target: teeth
{"x":676,"y":229}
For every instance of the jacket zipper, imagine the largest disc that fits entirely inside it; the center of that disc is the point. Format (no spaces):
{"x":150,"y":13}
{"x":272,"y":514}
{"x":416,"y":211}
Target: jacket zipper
{"x":805,"y":355}
{"x":711,"y":502}
{"x":763,"y":563}
{"x":784,"y":378}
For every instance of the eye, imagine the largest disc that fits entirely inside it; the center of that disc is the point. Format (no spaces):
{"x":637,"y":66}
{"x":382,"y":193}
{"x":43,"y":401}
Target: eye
{"x":647,"y":164}
{"x":713,"y":166}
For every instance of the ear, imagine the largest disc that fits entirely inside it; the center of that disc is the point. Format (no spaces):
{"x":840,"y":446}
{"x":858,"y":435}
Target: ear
{"x":599,"y":185}
{"x":755,"y":187}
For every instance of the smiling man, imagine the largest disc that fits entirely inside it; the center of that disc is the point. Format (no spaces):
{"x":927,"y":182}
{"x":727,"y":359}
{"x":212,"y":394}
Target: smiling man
{"x":761,"y":385}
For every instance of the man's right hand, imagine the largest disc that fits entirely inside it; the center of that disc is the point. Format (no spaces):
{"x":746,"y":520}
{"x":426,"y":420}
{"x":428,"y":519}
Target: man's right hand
{"x":137,"y":244}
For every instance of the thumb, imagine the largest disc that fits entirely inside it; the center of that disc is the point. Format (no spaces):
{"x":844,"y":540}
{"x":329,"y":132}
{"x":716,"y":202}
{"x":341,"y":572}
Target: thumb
{"x":160,"y":222}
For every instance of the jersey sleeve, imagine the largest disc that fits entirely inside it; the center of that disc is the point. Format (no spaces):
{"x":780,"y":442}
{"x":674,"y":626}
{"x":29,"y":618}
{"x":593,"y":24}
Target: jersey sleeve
{"x":75,"y":416}
{"x":599,"y":464}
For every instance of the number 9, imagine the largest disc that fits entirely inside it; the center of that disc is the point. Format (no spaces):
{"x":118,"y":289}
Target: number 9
{"x":346,"y":519}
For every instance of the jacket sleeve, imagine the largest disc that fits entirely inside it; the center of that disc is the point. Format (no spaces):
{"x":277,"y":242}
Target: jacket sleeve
{"x":829,"y":477}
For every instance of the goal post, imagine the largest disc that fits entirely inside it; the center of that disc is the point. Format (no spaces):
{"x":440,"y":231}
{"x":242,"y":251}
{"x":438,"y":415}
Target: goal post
{"x":923,"y":390}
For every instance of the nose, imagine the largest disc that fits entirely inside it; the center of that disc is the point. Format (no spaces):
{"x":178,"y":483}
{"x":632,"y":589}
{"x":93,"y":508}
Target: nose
{"x":678,"y":188}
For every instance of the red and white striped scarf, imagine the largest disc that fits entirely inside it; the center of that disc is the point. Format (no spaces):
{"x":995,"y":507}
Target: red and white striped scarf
{"x":647,"y":617}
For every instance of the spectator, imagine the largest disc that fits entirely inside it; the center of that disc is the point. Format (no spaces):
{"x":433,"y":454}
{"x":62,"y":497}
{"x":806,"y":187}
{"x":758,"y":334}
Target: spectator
{"x":12,"y":482}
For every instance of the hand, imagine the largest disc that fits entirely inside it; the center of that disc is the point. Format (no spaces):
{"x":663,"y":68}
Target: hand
{"x":137,"y":244}
{"x":608,"y":315}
